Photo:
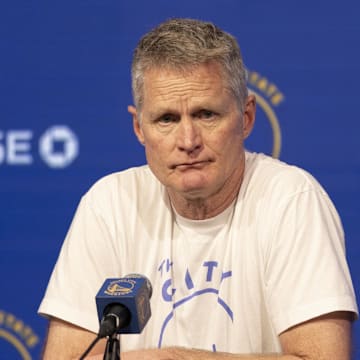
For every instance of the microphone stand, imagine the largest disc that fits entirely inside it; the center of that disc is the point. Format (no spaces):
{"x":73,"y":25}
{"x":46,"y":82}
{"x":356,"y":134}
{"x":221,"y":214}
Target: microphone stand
{"x":112,"y":350}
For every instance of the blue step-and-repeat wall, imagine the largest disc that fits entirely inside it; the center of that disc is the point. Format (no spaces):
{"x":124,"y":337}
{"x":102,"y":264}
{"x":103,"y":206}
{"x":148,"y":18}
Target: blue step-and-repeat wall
{"x":64,"y":91}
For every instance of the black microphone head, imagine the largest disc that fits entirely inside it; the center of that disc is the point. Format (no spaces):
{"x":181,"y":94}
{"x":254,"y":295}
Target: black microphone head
{"x":108,"y":326}
{"x":115,"y":317}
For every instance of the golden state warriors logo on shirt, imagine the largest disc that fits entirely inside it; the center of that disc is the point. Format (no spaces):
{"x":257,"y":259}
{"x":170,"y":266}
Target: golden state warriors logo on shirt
{"x":120,"y":287}
{"x":17,"y":339}
{"x":266,"y":136}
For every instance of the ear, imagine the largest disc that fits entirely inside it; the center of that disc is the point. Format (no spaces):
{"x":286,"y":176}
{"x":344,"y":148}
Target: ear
{"x":136,"y":124}
{"x":249,"y":115}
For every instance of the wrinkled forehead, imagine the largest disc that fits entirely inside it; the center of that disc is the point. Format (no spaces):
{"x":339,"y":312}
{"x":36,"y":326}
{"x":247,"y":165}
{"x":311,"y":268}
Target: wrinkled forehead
{"x":211,"y":73}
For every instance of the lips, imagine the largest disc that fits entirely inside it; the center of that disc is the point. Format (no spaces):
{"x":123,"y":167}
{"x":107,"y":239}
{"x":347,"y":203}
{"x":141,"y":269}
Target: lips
{"x":191,"y":165}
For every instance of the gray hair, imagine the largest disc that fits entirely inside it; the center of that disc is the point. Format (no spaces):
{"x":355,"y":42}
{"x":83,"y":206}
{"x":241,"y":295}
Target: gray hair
{"x":182,"y":44}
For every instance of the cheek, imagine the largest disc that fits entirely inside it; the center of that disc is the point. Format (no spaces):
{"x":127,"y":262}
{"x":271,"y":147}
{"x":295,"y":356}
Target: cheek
{"x":156,"y":152}
{"x":227,"y":141}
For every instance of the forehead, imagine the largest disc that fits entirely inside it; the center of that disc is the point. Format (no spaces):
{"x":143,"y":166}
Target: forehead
{"x":166,"y":85}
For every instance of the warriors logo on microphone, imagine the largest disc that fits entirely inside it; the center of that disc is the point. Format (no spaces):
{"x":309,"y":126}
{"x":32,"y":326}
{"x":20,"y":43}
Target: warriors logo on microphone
{"x":120,"y":287}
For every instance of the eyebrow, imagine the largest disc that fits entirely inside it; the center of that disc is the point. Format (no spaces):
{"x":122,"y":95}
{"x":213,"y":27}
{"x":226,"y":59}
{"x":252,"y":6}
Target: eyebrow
{"x":196,"y":108}
{"x":160,"y":112}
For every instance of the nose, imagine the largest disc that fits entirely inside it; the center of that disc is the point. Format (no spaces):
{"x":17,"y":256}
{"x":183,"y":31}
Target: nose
{"x":188,"y":136}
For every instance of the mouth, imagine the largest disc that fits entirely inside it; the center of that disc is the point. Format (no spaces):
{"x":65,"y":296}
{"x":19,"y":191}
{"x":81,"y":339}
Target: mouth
{"x":191,"y":165}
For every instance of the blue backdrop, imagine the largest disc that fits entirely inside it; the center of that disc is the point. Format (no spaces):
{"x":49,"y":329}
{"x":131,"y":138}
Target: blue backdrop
{"x":64,"y":91}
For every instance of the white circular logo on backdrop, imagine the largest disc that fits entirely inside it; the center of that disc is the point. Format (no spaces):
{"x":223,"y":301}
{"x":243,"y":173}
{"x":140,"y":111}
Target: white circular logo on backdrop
{"x":58,"y":146}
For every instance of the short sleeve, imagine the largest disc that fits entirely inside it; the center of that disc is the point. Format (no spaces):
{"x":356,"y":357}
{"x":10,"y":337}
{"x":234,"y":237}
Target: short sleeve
{"x":86,"y":259}
{"x":306,"y":270}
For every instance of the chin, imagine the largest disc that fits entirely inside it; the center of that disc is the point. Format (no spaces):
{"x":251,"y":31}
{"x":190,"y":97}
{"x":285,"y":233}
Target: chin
{"x":195,"y":191}
{"x":191,"y":187}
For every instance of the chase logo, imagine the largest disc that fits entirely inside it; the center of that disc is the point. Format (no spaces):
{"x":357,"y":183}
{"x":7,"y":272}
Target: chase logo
{"x":68,"y":146}
{"x":17,"y":340}
{"x":266,"y":136}
{"x":57,"y":147}
{"x":120,"y":287}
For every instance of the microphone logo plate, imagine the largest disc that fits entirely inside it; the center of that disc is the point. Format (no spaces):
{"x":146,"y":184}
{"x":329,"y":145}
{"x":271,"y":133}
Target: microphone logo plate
{"x":120,"y":287}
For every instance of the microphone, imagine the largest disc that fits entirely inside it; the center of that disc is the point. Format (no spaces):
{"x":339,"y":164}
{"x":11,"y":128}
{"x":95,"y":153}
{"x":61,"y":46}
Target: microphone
{"x":123,"y":305}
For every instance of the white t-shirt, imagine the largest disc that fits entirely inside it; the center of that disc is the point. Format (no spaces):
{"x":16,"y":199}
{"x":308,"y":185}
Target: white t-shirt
{"x":232,"y":283}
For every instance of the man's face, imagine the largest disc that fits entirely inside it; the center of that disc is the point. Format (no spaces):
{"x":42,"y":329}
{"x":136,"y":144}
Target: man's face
{"x":193,"y":131}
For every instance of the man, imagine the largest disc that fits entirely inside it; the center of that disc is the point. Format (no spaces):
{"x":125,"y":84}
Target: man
{"x":245,"y":253}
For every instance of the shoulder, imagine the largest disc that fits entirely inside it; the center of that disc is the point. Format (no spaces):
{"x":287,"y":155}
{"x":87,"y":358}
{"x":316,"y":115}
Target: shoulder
{"x":273,"y":177}
{"x":125,"y":193}
{"x":131,"y":176}
{"x":131,"y":182}
{"x":122,"y":190}
{"x":273,"y":189}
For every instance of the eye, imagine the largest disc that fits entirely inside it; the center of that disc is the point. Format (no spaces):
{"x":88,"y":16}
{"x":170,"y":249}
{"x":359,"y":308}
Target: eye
{"x":205,"y":114}
{"x":167,"y":119}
